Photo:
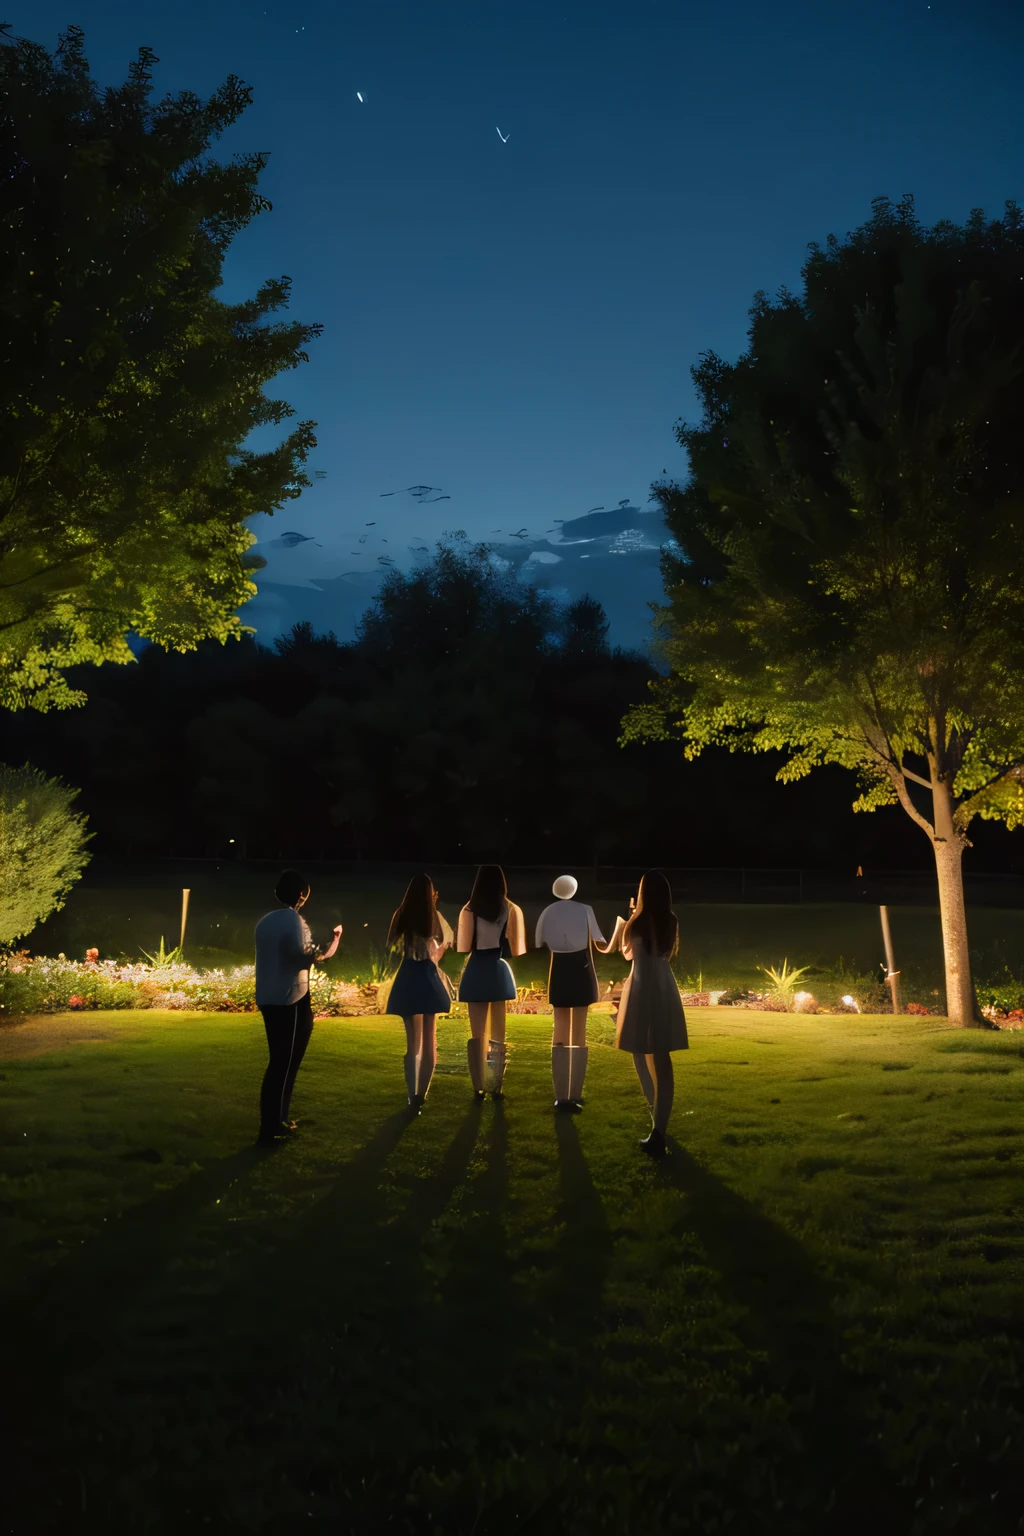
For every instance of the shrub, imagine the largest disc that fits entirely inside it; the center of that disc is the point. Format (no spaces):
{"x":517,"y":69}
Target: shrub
{"x":42,"y":848}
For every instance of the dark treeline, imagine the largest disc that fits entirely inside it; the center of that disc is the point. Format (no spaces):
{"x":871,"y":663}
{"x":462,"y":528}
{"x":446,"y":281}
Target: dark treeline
{"x":471,"y":718}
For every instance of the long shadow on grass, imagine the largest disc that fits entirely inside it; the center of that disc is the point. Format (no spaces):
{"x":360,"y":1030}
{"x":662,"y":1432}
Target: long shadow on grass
{"x":790,"y":1307}
{"x":78,"y":1304}
{"x":82,"y":1311}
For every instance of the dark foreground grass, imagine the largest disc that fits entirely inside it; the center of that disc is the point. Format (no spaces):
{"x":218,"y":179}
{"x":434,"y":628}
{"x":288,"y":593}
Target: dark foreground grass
{"x":487,"y":1320}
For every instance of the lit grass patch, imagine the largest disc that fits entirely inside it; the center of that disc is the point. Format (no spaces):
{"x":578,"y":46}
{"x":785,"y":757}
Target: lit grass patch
{"x":488,"y":1316}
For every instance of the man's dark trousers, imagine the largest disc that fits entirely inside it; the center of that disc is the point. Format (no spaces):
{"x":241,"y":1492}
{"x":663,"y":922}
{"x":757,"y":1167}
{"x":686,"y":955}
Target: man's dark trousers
{"x":288,"y":1030}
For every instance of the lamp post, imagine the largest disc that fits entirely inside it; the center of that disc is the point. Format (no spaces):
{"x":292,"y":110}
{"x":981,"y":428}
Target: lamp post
{"x":184,"y":915}
{"x":892,"y":976}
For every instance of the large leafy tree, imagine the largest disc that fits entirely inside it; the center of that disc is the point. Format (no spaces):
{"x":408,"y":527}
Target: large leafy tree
{"x":128,"y":390}
{"x":849,"y":583}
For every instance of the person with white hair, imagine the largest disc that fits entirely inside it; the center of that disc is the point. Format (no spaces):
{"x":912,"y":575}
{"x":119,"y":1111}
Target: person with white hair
{"x":570,"y":929}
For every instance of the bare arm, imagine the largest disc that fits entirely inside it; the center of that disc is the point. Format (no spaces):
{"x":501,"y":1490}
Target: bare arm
{"x":613,"y":942}
{"x":465,"y":939}
{"x":516,"y":929}
{"x":325,"y":954}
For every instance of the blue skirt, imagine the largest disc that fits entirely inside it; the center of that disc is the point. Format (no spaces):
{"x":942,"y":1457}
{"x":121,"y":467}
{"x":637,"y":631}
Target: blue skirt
{"x":418,"y":989}
{"x":487,"y":978}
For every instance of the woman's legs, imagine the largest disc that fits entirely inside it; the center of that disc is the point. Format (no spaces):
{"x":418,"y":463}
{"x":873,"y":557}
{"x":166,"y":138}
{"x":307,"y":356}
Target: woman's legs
{"x":660,"y":1068}
{"x":496,"y":1050}
{"x":428,"y":1055}
{"x":646,"y":1080}
{"x":413,"y":1047}
{"x":476,"y":1046}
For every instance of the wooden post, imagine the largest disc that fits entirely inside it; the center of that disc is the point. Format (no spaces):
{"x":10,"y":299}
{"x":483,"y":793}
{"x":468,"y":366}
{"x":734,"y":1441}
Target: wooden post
{"x":184,"y":916}
{"x":893,"y":974}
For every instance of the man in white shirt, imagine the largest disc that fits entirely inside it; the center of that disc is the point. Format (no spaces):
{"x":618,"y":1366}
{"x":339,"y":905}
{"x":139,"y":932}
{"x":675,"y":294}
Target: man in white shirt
{"x":284,"y":953}
{"x":568,"y":928}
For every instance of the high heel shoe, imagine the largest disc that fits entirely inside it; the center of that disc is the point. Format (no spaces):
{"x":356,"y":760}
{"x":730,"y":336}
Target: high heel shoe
{"x":654,"y":1144}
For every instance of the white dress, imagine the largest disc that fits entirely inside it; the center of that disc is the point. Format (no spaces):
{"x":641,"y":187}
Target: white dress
{"x":651,"y":1018}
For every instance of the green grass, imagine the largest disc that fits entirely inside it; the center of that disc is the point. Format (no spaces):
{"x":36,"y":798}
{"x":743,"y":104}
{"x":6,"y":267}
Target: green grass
{"x":487,"y":1320}
{"x":724,"y":944}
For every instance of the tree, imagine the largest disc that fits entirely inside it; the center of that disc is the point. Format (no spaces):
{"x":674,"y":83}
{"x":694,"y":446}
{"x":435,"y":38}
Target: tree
{"x":585,"y":628}
{"x":42,"y":848}
{"x":127,"y":390}
{"x":849,"y":585}
{"x":457,"y":647}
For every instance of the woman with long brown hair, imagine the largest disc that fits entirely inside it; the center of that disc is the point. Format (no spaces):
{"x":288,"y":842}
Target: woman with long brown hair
{"x":418,"y":993}
{"x":490,"y":928}
{"x":651,"y":1022}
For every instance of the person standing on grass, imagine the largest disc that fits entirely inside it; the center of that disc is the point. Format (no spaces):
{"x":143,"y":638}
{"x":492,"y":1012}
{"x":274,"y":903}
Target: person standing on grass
{"x":419,"y":992}
{"x":570,"y":929}
{"x":651,"y":1022}
{"x":284,"y":953}
{"x":490,"y":928}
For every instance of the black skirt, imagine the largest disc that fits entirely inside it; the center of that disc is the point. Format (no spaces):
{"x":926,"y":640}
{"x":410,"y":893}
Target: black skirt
{"x":572,"y":980}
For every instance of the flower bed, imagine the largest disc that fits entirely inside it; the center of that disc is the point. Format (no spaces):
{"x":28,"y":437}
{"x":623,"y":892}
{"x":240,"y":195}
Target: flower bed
{"x":38,"y":984}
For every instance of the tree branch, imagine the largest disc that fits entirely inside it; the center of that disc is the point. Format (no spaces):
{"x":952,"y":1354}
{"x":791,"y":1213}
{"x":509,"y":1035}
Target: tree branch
{"x":903,"y":795}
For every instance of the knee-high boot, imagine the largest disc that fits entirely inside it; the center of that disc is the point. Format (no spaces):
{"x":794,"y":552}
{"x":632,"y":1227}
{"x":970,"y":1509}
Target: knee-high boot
{"x":560,"y":1074}
{"x":497,"y":1053}
{"x":577,"y":1072}
{"x":475,"y":1057}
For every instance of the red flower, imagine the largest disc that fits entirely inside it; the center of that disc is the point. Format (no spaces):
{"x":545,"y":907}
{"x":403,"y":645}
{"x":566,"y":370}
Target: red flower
{"x":91,"y":956}
{"x":74,"y":1001}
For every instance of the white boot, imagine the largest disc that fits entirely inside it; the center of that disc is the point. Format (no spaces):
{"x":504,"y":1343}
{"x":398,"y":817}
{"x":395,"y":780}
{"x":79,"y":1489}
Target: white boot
{"x":560,"y":1074}
{"x":577,"y":1072}
{"x":475,"y":1057}
{"x":497,"y":1053}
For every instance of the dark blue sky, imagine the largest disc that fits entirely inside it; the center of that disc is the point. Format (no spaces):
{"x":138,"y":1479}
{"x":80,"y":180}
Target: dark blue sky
{"x":514,"y":323}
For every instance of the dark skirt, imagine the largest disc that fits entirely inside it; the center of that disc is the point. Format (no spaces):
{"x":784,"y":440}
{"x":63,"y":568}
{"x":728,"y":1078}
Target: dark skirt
{"x":418,"y":989}
{"x":487,"y":978}
{"x":572,"y":980}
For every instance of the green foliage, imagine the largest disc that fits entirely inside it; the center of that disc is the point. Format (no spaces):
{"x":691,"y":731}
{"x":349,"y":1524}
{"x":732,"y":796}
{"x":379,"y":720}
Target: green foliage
{"x":165,"y":957}
{"x":849,"y":584}
{"x":784,"y":979}
{"x":127,"y":389}
{"x":42,"y":848}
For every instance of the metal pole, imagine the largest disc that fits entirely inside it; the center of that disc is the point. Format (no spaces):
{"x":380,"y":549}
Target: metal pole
{"x":893,"y":974}
{"x":184,"y":916}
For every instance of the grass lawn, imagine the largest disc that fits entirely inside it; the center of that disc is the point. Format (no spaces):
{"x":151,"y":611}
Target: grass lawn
{"x":486,"y":1320}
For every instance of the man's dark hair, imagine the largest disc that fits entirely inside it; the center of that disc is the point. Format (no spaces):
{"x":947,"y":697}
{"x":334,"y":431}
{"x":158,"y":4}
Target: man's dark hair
{"x":290,"y":887}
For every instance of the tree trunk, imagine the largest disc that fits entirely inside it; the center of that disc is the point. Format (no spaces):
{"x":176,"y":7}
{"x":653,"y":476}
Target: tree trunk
{"x":948,"y":844}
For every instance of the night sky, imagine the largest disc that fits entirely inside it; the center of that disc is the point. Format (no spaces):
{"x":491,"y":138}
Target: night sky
{"x":513,"y":323}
